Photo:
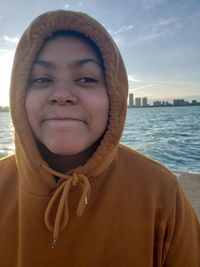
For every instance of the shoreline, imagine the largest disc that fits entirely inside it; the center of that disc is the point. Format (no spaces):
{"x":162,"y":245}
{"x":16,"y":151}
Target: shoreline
{"x":169,"y":106}
{"x":191,"y":185}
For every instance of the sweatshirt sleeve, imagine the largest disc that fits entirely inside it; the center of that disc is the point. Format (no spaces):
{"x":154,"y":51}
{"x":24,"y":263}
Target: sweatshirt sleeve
{"x":182,"y":242}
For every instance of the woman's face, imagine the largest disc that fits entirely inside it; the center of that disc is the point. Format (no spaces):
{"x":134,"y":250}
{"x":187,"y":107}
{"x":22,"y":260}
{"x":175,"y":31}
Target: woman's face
{"x":67,"y":102}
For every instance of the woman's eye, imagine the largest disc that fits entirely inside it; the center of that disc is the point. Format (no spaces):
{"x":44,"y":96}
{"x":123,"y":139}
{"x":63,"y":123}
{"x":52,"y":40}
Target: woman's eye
{"x":86,"y":80}
{"x":40,"y":81}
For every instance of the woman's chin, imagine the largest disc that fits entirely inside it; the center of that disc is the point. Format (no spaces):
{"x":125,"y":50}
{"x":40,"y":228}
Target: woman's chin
{"x":63,"y":152}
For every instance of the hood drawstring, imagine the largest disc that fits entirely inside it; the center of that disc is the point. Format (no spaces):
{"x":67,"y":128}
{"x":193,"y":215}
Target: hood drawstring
{"x":62,"y":193}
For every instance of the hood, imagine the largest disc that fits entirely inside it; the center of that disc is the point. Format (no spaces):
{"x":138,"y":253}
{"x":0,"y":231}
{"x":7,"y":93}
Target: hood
{"x":35,"y":174}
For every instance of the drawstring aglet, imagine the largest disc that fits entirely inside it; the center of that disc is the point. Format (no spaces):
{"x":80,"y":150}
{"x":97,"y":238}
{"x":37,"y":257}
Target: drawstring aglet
{"x":53,"y":243}
{"x":86,"y":200}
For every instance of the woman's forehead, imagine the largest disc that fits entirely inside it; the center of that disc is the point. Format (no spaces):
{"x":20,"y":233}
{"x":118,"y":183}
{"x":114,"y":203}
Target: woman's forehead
{"x":76,"y":37}
{"x":70,"y":50}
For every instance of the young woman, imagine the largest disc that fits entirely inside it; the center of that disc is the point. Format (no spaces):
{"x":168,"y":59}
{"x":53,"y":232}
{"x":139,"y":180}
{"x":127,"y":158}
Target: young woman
{"x":72,"y":195}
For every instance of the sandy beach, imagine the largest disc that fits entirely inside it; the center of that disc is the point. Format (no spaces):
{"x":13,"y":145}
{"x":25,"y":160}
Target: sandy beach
{"x":191,"y":185}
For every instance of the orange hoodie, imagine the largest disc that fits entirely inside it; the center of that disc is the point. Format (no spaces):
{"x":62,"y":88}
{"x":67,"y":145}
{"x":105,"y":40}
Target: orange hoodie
{"x":118,"y":209}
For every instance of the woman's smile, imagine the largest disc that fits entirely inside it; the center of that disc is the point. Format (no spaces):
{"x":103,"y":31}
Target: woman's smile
{"x":63,"y":122}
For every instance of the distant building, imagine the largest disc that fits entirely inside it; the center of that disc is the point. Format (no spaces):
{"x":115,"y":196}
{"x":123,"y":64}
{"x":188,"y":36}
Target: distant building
{"x":131,"y":100}
{"x":168,"y":104}
{"x":144,"y":102}
{"x":157,"y":104}
{"x":194,"y":102}
{"x":138,"y":101}
{"x":179,"y":102}
{"x":4,"y":109}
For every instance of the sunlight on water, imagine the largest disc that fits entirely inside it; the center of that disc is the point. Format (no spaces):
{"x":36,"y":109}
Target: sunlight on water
{"x":6,"y":134}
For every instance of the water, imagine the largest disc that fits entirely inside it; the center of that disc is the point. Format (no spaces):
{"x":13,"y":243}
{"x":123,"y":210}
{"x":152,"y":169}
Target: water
{"x":170,"y":135}
{"x":6,"y":134}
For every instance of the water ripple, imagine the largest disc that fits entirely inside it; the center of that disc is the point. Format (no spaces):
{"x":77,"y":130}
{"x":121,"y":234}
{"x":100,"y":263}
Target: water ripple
{"x":169,"y":135}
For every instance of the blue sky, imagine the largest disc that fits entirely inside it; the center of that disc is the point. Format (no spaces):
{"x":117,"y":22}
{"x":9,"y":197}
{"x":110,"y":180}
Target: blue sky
{"x":158,"y":39}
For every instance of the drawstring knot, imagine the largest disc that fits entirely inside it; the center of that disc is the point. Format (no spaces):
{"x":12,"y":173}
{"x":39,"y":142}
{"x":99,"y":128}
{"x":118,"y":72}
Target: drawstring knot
{"x":61,"y":195}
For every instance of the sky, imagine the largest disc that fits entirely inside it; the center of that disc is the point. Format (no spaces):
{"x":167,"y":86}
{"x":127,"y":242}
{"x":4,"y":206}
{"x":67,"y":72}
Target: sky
{"x":159,"y":41}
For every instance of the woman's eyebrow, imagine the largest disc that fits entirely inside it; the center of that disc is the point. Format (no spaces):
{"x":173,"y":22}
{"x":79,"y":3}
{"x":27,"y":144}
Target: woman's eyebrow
{"x":75,"y":63}
{"x":44,"y":63}
{"x":81,"y":62}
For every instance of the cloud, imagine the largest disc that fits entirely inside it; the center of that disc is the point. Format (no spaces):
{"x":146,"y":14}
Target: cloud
{"x":119,"y":40}
{"x":66,"y":6}
{"x":6,"y":61}
{"x":3,"y":51}
{"x":179,"y":83}
{"x":141,"y":87}
{"x":165,"y":27}
{"x":133,"y":78}
{"x":158,"y":88}
{"x":149,"y":37}
{"x":121,"y":29}
{"x":147,"y":4}
{"x":137,"y":84}
{"x":116,"y":34}
{"x":156,"y":81}
{"x":8,"y":43}
{"x":9,"y":39}
{"x":167,"y":23}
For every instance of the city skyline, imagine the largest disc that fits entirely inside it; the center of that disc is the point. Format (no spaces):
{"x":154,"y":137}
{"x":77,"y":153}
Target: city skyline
{"x":159,"y":41}
{"x":143,"y":102}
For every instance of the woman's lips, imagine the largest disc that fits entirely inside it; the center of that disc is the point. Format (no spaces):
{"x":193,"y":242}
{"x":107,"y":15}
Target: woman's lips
{"x":63,"y":121}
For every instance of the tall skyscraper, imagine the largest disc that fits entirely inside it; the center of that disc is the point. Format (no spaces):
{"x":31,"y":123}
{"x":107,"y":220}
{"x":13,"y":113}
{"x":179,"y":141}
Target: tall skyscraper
{"x":131,"y":100}
{"x":138,"y":101}
{"x":144,"y":102}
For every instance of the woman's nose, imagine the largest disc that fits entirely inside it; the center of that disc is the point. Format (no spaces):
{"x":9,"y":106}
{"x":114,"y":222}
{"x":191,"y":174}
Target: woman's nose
{"x":63,"y":95}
